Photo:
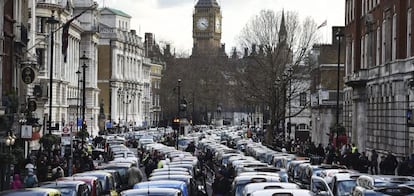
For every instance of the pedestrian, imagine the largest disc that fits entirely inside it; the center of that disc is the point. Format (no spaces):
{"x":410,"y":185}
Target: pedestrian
{"x":353,"y":148}
{"x":374,"y":162}
{"x":364,"y":163}
{"x":403,"y":167}
{"x":42,"y":165}
{"x":320,"y":151}
{"x":134,"y":175}
{"x":151,"y":165}
{"x":191,"y":147}
{"x":89,"y":164}
{"x":221,"y":185}
{"x":354,"y":160}
{"x":382,"y":166}
{"x":30,"y":180}
{"x":17,"y":183}
{"x":391,"y":164}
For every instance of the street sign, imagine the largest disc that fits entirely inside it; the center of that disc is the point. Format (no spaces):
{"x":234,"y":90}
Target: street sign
{"x":108,"y":125}
{"x":28,"y":75}
{"x":79,"y":122}
{"x":32,"y":105}
{"x":26,"y":132}
{"x":65,"y":130}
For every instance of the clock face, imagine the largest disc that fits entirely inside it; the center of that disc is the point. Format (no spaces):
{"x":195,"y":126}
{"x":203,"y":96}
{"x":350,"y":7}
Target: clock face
{"x":202,"y":24}
{"x":218,"y":25}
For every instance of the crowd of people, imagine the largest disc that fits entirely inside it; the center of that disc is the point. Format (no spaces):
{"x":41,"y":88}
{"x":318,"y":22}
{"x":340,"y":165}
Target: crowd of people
{"x":349,"y":155}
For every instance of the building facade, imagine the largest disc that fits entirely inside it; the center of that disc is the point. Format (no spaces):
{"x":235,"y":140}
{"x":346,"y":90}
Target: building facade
{"x":67,"y":66}
{"x":122,"y":77}
{"x":323,"y":61}
{"x":379,"y":74}
{"x":153,"y":53}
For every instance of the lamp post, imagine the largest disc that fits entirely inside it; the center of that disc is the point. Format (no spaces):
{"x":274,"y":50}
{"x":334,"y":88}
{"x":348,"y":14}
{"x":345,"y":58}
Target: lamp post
{"x":127,"y":102}
{"x":77,"y":101}
{"x":289,"y":75}
{"x":84,"y":59}
{"x":52,"y":21}
{"x":120,"y":94}
{"x":178,"y":110}
{"x":339,"y":36}
{"x":9,"y":141}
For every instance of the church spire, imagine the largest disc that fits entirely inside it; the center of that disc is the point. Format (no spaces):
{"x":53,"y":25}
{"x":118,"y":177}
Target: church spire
{"x":282,"y":29}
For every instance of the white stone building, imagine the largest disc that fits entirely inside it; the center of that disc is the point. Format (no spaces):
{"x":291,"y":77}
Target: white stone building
{"x":83,"y":37}
{"x":123,"y":75}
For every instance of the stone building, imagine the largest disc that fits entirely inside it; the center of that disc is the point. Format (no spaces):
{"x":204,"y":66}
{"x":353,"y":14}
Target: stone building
{"x":123,"y":76}
{"x":324,"y":69}
{"x":156,"y":61}
{"x":66,"y":89}
{"x":378,"y":75}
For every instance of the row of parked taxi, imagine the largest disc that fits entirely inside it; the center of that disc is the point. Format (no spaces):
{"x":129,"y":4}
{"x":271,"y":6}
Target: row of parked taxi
{"x":107,"y":179}
{"x":256,"y":170}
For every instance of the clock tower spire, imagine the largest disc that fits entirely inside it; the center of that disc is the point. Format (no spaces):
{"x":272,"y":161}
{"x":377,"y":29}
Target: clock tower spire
{"x":206,"y":29}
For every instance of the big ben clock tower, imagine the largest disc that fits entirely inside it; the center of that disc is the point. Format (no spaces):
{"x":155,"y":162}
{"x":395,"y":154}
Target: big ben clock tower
{"x":206,"y":29}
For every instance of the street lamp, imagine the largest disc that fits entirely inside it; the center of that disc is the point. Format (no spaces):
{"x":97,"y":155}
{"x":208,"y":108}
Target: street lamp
{"x":289,"y":77}
{"x":9,"y":141}
{"x":52,"y":21}
{"x":84,"y":59}
{"x":120,"y":94}
{"x":77,"y":101}
{"x":178,"y":110}
{"x":127,"y":102}
{"x":339,"y":36}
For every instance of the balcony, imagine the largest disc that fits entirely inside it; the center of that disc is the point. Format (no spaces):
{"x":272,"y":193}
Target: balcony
{"x":357,"y":79}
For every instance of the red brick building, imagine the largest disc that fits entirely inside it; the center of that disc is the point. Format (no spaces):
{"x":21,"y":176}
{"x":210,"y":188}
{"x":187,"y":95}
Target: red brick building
{"x":378,"y":74}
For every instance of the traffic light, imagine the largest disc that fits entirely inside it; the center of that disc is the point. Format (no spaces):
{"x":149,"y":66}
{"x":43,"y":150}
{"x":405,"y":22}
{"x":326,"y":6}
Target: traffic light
{"x":175,"y":123}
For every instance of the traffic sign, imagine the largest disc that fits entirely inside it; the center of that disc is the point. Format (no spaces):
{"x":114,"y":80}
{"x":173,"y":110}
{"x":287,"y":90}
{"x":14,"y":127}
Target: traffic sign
{"x":32,"y":105}
{"x":65,"y":130}
{"x":28,"y":75}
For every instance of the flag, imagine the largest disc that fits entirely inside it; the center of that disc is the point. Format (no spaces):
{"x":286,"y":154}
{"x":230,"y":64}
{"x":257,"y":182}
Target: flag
{"x":65,"y":38}
{"x":324,"y":23}
{"x":65,"y":32}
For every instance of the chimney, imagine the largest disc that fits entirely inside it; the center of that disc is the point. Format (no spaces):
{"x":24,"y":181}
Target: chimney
{"x":246,"y":52}
{"x":149,"y":40}
{"x":133,"y":31}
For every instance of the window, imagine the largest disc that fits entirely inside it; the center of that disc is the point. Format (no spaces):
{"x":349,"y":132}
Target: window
{"x":40,"y":54}
{"x":302,"y":99}
{"x":394,"y":37}
{"x":362,"y":48}
{"x":41,"y":24}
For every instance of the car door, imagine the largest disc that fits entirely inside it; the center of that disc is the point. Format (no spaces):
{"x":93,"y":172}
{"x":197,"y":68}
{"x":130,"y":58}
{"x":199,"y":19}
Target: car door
{"x":320,"y":187}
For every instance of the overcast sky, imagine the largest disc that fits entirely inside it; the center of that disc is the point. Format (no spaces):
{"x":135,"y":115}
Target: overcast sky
{"x":171,"y":20}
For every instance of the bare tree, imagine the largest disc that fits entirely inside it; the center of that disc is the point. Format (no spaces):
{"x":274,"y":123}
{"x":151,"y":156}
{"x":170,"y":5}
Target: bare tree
{"x":275,"y":48}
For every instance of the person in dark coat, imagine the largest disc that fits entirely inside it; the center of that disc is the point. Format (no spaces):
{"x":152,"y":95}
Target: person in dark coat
{"x":403,"y":168}
{"x":151,"y":165}
{"x":374,"y":162}
{"x":221,"y":185}
{"x":391,"y":164}
{"x":190,"y":148}
{"x":364,"y":163}
{"x":320,"y":151}
{"x":354,"y":160}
